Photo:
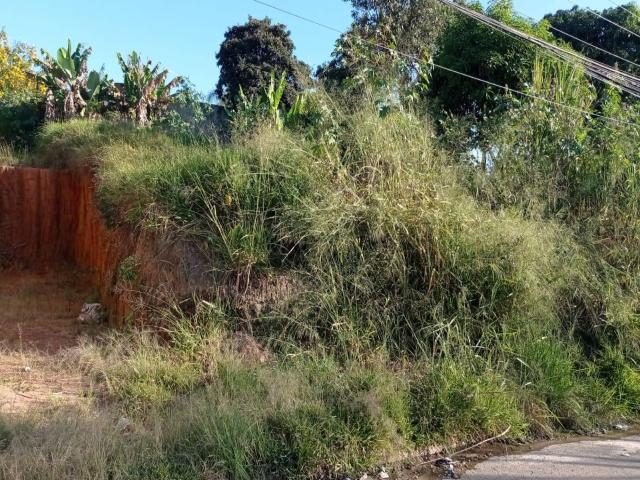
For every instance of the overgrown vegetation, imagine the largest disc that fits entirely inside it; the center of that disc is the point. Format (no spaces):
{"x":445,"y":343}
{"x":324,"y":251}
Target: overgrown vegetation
{"x":431,"y":280}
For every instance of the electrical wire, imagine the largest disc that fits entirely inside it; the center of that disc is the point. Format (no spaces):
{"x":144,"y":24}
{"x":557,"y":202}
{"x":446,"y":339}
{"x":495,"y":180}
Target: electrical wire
{"x":451,"y":70}
{"x":631,"y":12}
{"x":593,"y":12}
{"x":562,"y":32}
{"x":597,"y":70}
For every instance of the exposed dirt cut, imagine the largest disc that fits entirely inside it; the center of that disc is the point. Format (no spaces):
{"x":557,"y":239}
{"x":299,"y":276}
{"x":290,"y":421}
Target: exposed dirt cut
{"x":38,"y":312}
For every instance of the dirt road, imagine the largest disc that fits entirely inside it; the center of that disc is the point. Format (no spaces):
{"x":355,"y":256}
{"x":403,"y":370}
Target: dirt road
{"x":585,"y":460}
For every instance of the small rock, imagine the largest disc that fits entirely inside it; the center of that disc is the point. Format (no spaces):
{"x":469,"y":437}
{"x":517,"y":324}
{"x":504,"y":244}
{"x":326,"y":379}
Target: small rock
{"x":92,"y":314}
{"x":622,"y":427}
{"x":365,"y":477}
{"x":446,"y":464}
{"x":383,"y":475}
{"x":124,"y":425}
{"x":625,"y":454}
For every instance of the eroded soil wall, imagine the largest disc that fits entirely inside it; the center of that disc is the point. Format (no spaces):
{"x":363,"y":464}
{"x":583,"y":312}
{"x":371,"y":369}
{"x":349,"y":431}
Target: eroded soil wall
{"x":49,"y":217}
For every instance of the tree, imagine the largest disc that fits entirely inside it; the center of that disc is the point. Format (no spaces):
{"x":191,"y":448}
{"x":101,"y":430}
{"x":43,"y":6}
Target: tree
{"x":16,"y":69}
{"x":248,"y":56}
{"x":472,"y":48}
{"x":146,"y":92}
{"x":68,"y":81}
{"x":412,"y":26}
{"x":382,"y":31}
{"x":592,"y":29}
{"x":21,"y":94}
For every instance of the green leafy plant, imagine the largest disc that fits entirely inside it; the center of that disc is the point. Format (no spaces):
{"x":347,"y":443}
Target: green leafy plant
{"x":69,"y":84}
{"x":146,"y":92}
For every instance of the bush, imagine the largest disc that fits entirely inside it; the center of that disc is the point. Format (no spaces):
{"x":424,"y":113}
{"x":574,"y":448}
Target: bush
{"x":21,"y":115}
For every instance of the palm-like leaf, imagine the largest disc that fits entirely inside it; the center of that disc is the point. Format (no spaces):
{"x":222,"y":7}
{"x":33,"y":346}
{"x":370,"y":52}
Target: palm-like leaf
{"x":146,"y":89}
{"x":66,"y":76}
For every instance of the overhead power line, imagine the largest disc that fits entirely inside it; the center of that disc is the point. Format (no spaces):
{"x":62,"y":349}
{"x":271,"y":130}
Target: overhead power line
{"x":594,"y":69}
{"x":415,"y":58}
{"x":631,"y":12}
{"x":562,"y":32}
{"x":593,"y":12}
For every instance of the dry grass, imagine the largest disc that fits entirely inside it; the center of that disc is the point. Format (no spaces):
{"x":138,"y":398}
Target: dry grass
{"x":37,"y":320}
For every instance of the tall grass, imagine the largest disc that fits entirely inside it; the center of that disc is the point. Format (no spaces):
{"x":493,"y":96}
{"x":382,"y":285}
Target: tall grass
{"x":422,"y":306}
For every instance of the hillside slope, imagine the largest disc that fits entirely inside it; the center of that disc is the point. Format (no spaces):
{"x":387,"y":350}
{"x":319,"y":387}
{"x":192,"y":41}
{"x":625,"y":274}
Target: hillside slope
{"x":366,"y":296}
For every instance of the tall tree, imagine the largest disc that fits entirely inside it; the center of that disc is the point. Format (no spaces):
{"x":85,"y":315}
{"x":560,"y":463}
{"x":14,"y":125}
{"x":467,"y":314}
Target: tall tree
{"x":590,"y":28}
{"x":474,"y":49}
{"x":248,"y":56}
{"x":382,"y":31}
{"x":412,"y":26}
{"x":16,"y":69}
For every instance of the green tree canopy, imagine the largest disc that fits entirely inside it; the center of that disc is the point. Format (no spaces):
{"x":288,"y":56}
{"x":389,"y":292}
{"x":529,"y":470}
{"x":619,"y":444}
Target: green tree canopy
{"x":381,"y":27}
{"x":248,"y":56}
{"x":583,"y":24}
{"x":472,"y":48}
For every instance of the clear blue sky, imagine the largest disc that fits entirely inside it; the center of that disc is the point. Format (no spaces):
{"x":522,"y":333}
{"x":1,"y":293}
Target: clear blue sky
{"x":185,"y":35}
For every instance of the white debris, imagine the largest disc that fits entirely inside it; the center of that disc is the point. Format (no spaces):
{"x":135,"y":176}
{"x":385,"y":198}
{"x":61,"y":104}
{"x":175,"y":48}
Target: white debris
{"x":92,"y":314}
{"x":124,"y":425}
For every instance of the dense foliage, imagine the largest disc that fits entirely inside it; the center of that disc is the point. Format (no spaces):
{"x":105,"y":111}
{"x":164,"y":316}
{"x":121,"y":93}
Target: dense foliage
{"x":584,"y":25}
{"x":250,"y":53}
{"x":363,"y":55}
{"x":146,"y":92}
{"x":482,"y":52}
{"x":404,"y":278}
{"x":70,"y":85}
{"x":21,"y":94}
{"x":17,"y":69}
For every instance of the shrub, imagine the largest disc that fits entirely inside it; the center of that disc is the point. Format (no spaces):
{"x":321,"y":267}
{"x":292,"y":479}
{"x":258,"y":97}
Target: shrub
{"x":21,"y":115}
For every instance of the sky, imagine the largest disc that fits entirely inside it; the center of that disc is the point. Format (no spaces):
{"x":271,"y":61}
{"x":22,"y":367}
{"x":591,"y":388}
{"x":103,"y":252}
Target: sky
{"x":184,"y":36}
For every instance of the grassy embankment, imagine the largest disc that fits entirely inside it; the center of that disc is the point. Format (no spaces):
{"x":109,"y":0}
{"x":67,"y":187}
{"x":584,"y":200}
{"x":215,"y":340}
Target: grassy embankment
{"x":426,"y":306}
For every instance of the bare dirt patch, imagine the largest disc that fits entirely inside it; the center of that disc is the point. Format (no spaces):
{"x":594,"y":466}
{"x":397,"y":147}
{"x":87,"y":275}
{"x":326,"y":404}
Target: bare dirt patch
{"x":38,"y":312}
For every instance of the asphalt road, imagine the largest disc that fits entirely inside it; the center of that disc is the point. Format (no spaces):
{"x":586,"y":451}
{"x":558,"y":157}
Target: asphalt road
{"x":585,"y":460}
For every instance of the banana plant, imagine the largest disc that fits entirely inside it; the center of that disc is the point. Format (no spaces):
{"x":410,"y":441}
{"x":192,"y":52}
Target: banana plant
{"x":273,"y":96}
{"x":66,"y":77}
{"x":268,"y":106}
{"x":297,"y":110}
{"x":146,"y":92}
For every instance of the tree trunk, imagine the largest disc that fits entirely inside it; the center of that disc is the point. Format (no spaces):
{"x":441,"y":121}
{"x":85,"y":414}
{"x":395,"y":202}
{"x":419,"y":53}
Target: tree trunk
{"x":69,"y":110}
{"x":50,"y":113}
{"x":142,"y":115}
{"x":79,"y":102}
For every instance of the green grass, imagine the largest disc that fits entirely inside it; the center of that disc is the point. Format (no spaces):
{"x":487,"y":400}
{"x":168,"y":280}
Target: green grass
{"x":429,"y":302}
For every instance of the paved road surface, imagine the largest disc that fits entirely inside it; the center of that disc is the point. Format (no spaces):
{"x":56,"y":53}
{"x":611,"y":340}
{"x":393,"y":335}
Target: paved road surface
{"x":586,"y":460}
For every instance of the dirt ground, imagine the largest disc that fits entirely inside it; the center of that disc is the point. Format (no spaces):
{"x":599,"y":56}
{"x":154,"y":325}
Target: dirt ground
{"x":38,"y":312}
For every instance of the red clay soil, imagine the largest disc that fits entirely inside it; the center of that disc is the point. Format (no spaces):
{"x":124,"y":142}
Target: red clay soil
{"x":38,"y":312}
{"x":40,"y":309}
{"x":57,"y":253}
{"x":49,"y":218}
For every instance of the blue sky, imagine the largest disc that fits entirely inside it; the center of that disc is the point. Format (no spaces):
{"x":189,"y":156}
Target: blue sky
{"x":184,"y":36}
